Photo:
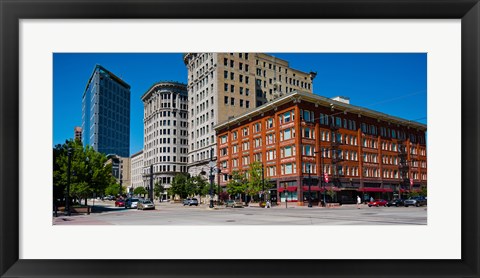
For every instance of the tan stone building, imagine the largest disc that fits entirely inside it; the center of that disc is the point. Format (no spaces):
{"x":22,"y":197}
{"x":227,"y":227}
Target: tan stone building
{"x":222,"y":86}
{"x":120,"y":169}
{"x":136,"y":171}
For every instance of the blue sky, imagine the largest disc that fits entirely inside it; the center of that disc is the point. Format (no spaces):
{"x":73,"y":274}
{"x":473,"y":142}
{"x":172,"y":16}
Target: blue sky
{"x":394,"y":84}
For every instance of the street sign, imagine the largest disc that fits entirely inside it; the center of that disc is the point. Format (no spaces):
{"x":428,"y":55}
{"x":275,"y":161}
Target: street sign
{"x":326,"y":177}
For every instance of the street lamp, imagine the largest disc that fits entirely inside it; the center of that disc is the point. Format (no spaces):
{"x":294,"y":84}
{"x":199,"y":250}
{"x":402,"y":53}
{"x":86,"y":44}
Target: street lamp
{"x":212,"y":177}
{"x":67,"y":198}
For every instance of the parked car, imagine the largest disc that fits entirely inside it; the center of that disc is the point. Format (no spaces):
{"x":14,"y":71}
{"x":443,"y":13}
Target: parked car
{"x":145,"y":204}
{"x":120,"y":203}
{"x":378,"y":203}
{"x":131,"y":203}
{"x":416,"y":201}
{"x":395,"y":203}
{"x":109,"y":198}
{"x":190,"y":202}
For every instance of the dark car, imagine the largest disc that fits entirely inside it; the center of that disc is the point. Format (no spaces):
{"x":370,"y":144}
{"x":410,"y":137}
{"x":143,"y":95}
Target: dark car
{"x":415,"y":201}
{"x":377,"y":203}
{"x":395,"y":203}
{"x":131,"y":203}
{"x":120,"y":203}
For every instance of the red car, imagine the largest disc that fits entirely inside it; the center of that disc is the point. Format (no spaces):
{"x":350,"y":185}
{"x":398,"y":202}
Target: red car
{"x":378,"y":203}
{"x":119,"y":203}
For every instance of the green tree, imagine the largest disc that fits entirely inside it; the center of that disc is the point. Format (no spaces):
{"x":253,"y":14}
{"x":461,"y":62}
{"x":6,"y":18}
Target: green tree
{"x":158,"y":190}
{"x":140,"y":191}
{"x":332,"y":193}
{"x":423,"y":191}
{"x":180,"y":186}
{"x":113,"y":189}
{"x":238,"y":184}
{"x":199,"y":186}
{"x":256,"y":184}
{"x":88,"y":172}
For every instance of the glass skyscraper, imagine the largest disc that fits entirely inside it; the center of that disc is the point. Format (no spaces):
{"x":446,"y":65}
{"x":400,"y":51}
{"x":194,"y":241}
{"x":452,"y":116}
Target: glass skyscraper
{"x":106,"y":113}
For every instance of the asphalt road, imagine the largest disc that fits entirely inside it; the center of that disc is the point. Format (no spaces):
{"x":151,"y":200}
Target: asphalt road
{"x":176,"y":214}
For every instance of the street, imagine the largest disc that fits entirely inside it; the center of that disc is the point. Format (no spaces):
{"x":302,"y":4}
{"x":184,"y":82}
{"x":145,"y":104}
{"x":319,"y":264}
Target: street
{"x":167,"y":213}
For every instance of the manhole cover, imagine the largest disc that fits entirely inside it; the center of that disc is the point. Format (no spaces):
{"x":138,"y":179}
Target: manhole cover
{"x":230,"y":221}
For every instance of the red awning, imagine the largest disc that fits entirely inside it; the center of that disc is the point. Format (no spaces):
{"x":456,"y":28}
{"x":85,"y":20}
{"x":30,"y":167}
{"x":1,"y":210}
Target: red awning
{"x":289,"y":189}
{"x":312,"y":188}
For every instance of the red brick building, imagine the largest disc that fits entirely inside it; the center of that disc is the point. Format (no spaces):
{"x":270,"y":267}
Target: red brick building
{"x":300,"y":136}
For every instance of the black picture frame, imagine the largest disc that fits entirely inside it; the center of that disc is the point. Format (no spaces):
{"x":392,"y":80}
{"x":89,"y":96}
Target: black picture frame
{"x":12,"y":11}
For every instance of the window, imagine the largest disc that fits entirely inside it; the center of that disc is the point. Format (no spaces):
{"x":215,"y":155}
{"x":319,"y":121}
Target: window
{"x":338,"y":122}
{"x":223,"y":139}
{"x":308,"y":133}
{"x":287,"y":134}
{"x":225,"y":74}
{"x":258,"y":142}
{"x":289,"y":168}
{"x":269,"y":123}
{"x":270,"y":138}
{"x":307,"y":116}
{"x":245,"y":131}
{"x":271,"y":155}
{"x":241,"y":103}
{"x":232,"y":88}
{"x":287,"y":151}
{"x":257,"y":127}
{"x":234,"y":135}
{"x":245,"y":146}
{"x":223,"y":151}
{"x":234,"y":149}
{"x":308,"y":150}
{"x":226,"y":100}
{"x":247,"y":103}
{"x":232,"y":101}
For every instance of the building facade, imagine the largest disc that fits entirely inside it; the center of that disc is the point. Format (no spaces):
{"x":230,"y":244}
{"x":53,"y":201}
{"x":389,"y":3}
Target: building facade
{"x":77,"y":133}
{"x":222,"y":86}
{"x":106,"y":113}
{"x":308,"y":143}
{"x":121,"y":170}
{"x":165,"y":148}
{"x":136,"y":170}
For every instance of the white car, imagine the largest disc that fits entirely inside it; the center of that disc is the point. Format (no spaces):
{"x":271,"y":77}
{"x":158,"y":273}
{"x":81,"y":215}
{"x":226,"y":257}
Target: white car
{"x":131,"y":203}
